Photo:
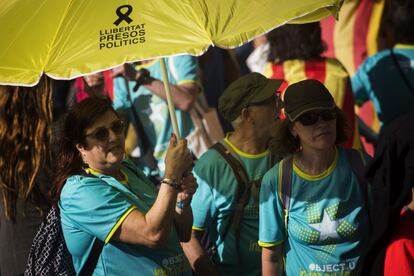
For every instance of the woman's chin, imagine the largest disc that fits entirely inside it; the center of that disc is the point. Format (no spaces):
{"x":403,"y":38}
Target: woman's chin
{"x":115,"y":158}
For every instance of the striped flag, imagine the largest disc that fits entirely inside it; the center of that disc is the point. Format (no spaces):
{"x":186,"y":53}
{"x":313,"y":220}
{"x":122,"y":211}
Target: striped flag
{"x":351,"y":39}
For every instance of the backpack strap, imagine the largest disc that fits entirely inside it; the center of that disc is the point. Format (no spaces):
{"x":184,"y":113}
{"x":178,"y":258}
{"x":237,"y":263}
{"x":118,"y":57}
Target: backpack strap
{"x":90,"y":265}
{"x":243,"y":191}
{"x":357,"y":162}
{"x":285,"y":182}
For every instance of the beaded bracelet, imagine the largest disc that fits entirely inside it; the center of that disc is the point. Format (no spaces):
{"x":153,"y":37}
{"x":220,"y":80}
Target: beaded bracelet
{"x":171,"y":182}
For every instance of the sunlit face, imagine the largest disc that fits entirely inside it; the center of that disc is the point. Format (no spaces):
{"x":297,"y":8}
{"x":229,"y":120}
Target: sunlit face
{"x":320,"y":136}
{"x":105,"y":143}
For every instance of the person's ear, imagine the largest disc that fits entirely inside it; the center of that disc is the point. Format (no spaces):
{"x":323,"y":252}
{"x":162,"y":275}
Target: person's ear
{"x":293,"y":130}
{"x":246,"y":114}
{"x":80,"y":148}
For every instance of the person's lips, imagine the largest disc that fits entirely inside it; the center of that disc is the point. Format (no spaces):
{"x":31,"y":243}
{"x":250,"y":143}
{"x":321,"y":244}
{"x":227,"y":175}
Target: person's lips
{"x":322,"y":134}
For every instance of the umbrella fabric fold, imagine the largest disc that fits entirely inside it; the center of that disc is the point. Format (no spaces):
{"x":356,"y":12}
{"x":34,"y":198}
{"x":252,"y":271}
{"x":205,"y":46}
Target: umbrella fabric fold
{"x":69,"y":38}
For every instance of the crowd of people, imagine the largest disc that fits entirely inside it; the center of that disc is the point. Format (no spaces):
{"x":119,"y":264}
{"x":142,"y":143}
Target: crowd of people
{"x":288,"y":190}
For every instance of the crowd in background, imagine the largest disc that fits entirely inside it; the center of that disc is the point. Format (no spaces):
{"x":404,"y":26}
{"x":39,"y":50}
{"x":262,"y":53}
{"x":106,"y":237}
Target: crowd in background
{"x":307,"y":66}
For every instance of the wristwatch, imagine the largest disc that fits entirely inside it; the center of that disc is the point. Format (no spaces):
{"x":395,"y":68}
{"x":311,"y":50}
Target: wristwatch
{"x":173,"y":183}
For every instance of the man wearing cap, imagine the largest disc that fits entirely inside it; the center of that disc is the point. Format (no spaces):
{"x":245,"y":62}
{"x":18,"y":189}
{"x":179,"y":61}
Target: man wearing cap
{"x":249,"y":104}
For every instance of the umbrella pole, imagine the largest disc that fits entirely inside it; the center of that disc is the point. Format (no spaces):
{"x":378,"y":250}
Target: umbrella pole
{"x":171,"y":107}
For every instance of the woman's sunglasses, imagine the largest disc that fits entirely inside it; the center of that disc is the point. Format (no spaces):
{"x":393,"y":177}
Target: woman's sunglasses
{"x":311,"y":118}
{"x":102,"y":133}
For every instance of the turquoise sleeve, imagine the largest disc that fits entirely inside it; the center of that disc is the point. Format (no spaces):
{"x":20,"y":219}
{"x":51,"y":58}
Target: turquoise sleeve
{"x":271,"y":224}
{"x":361,"y":85}
{"x":186,"y":68}
{"x":92,"y":205}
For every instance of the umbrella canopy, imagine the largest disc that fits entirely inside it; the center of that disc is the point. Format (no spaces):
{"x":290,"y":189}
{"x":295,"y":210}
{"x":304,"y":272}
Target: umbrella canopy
{"x":69,"y":38}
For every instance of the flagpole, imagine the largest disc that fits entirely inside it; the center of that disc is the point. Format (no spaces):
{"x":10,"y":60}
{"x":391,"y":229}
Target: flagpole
{"x":170,"y":103}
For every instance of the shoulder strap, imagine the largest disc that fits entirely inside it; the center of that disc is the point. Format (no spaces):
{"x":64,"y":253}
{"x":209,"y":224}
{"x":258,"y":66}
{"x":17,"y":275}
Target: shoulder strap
{"x":231,"y":158}
{"x":90,"y":265}
{"x":286,"y":181}
{"x":285,"y":189}
{"x":243,"y":191}
{"x":403,"y":76}
{"x":357,"y":162}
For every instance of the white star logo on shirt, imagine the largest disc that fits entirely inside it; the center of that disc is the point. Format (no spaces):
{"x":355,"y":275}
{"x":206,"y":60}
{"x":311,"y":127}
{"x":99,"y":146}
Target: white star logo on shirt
{"x":327,"y":227}
{"x":157,"y":113}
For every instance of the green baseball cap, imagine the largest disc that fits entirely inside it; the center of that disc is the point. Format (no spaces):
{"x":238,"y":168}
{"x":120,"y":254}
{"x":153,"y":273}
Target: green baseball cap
{"x":252,"y":88}
{"x":305,"y":96}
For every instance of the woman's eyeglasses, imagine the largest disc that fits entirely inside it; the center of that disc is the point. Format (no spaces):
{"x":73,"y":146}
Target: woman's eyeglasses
{"x":102,"y":133}
{"x":311,"y":118}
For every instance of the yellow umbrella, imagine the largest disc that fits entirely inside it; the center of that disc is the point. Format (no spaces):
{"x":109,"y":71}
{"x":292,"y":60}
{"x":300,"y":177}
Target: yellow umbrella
{"x":69,"y":38}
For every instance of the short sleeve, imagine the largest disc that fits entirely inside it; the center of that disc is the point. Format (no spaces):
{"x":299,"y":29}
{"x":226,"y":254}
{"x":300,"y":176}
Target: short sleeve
{"x":93,"y":206}
{"x":361,"y":85}
{"x":184,"y":69}
{"x":120,"y":101}
{"x":202,"y":204}
{"x":271,"y":223}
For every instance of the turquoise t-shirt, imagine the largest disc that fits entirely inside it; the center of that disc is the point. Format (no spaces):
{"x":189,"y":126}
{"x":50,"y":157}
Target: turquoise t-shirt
{"x":378,"y":80}
{"x":328,"y":224}
{"x":214,"y":203}
{"x":96,"y":207}
{"x":153,"y":110}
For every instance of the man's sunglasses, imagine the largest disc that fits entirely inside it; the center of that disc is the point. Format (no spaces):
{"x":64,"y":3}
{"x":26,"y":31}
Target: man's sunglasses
{"x":102,"y":133}
{"x":312,"y":118}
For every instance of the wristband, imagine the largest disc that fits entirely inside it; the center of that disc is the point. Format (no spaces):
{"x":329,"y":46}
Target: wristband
{"x":182,"y":204}
{"x":171,"y":182}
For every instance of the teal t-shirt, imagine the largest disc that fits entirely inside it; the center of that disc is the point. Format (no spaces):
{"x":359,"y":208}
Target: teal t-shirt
{"x":96,"y":207}
{"x":378,"y":80}
{"x":153,"y":110}
{"x":214,"y":203}
{"x":328,"y":223}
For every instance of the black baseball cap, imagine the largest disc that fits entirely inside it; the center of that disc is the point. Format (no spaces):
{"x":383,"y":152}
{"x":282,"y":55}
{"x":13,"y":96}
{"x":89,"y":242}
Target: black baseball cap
{"x":305,"y":96}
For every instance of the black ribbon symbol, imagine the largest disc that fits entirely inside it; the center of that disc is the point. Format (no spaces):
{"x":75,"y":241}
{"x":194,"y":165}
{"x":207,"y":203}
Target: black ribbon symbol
{"x":123,"y":15}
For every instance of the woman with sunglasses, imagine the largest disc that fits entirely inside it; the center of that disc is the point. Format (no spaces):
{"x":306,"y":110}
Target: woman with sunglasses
{"x":316,"y":221}
{"x":102,"y":196}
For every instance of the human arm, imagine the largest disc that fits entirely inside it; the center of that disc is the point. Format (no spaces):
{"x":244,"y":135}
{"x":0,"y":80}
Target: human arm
{"x":197,"y":256}
{"x":271,"y":225}
{"x":152,"y":228}
{"x":204,"y":212}
{"x":272,"y":261}
{"x":184,"y":93}
{"x":361,"y":85}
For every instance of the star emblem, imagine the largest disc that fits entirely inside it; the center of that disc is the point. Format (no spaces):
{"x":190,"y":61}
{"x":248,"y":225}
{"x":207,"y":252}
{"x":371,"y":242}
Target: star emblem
{"x":158,"y":113}
{"x":327,"y":227}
